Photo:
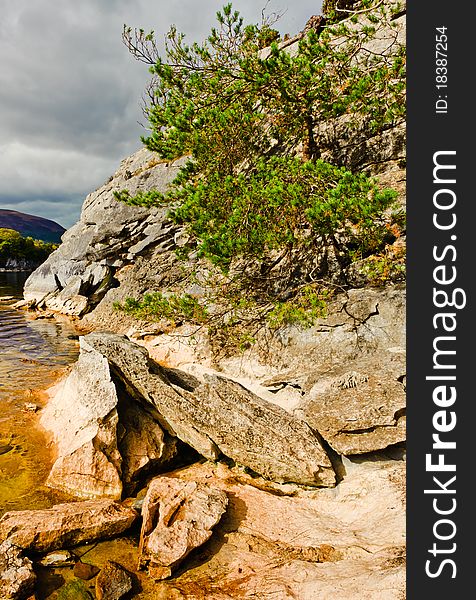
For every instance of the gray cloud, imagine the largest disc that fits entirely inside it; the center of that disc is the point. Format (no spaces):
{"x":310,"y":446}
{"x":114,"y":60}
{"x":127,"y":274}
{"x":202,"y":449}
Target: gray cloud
{"x":70,"y":93}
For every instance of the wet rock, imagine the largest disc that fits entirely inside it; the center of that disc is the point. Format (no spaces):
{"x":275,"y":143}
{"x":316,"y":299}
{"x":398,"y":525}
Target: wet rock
{"x":65,"y":525}
{"x":178,"y":516}
{"x":218,"y":415}
{"x":113,"y":582}
{"x":17,"y":578}
{"x":74,"y":590}
{"x":5,"y":448}
{"x":61,"y":558}
{"x":85,"y":571}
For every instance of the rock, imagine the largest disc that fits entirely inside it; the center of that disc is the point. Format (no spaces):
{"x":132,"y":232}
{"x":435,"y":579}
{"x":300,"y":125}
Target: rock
{"x":320,"y":543}
{"x":109,"y":234}
{"x":178,"y":516}
{"x":220,"y":415}
{"x":142,"y":443}
{"x":113,"y":583}
{"x":83,"y":418}
{"x":74,"y":590}
{"x":31,"y":407}
{"x":103,"y":437}
{"x":65,"y":525}
{"x":357,"y":414}
{"x":60,"y":558}
{"x":17,"y":578}
{"x":5,"y":448}
{"x":85,"y":570}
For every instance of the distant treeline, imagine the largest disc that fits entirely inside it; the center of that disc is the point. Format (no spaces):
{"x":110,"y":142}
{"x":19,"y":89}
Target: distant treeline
{"x":15,"y":247}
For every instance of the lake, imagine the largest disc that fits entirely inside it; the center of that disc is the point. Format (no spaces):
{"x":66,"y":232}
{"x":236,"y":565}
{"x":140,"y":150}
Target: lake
{"x":33,"y":352}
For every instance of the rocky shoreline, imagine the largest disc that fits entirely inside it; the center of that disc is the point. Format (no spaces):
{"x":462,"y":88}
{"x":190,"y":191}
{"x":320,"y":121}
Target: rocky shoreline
{"x":310,"y":484}
{"x":275,"y":472}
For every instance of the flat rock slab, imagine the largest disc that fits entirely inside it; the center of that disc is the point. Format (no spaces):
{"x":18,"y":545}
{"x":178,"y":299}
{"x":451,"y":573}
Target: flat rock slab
{"x":65,"y":525}
{"x":17,"y":578}
{"x":178,"y":516}
{"x":219,"y":416}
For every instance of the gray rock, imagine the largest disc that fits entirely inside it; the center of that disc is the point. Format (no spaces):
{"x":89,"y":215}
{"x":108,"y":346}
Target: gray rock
{"x":357,"y":413}
{"x":108,"y":235}
{"x":85,"y":570}
{"x":178,"y":516}
{"x":17,"y":578}
{"x":221,"y":416}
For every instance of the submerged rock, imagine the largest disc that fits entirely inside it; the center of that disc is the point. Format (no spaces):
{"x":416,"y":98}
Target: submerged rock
{"x":74,"y":590}
{"x":60,"y":558}
{"x":85,"y":570}
{"x":65,"y":525}
{"x":17,"y":578}
{"x":178,"y":517}
{"x":113,"y":583}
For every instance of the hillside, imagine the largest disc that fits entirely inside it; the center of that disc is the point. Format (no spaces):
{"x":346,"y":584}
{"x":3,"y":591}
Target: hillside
{"x":38,"y":228}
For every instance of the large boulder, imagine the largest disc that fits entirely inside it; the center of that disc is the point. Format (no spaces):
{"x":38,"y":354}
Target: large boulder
{"x":108,"y":235}
{"x":82,"y":415}
{"x":65,"y":525}
{"x":104,"y":439}
{"x":359,"y":411}
{"x":178,"y":516}
{"x":219,"y":416}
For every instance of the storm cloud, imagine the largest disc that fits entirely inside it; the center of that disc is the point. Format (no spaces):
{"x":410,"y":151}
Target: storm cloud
{"x":70,"y":93}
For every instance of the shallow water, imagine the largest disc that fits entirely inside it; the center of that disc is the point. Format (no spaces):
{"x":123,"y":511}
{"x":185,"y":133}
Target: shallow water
{"x":32,"y":354}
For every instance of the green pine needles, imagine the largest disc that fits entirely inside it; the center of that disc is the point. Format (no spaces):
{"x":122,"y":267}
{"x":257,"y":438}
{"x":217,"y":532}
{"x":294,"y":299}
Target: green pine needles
{"x":249,"y":117}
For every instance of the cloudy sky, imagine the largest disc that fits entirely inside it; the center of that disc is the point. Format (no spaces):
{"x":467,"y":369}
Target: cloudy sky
{"x":70,"y":92}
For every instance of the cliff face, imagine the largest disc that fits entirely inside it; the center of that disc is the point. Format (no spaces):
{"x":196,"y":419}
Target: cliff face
{"x":108,"y":236}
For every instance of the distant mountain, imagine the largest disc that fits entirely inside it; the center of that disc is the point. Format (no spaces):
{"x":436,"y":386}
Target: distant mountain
{"x":31,"y":226}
